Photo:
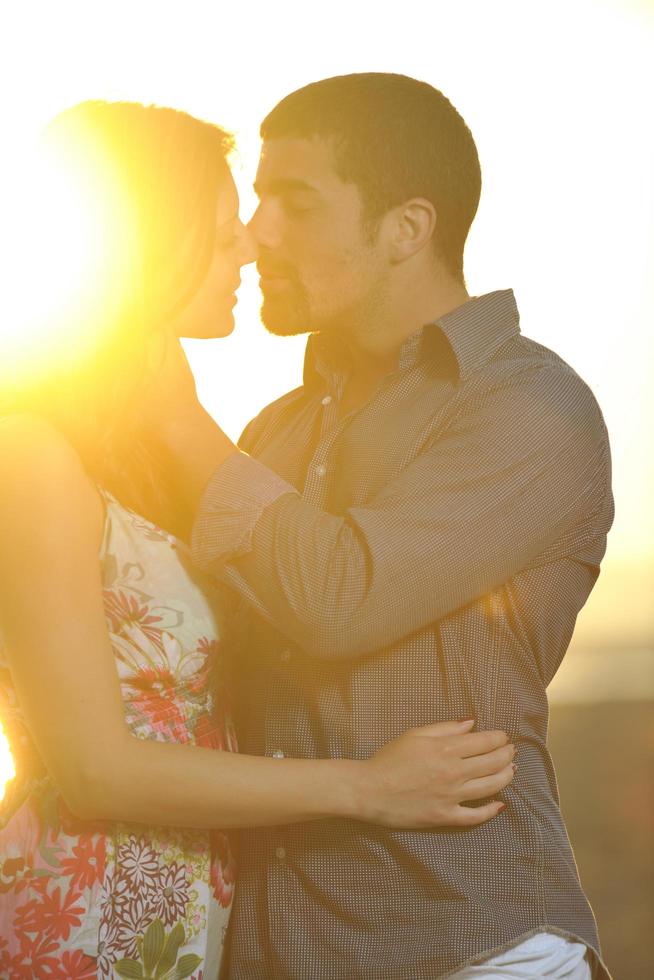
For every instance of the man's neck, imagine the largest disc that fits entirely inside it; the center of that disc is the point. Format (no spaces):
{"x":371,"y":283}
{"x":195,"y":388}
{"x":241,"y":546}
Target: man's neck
{"x":375,"y":346}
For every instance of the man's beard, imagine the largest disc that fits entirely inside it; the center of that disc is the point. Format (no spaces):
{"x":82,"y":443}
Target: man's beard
{"x":288,"y":314}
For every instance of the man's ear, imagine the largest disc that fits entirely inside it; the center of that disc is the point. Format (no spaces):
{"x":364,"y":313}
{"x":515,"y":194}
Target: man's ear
{"x":414,"y":224}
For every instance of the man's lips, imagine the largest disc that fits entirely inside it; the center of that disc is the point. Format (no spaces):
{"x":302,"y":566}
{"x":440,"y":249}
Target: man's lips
{"x":272,"y":281}
{"x":273,"y":271}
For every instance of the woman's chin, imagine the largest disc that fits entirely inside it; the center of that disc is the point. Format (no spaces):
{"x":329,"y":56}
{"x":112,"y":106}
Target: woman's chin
{"x":213,"y":330}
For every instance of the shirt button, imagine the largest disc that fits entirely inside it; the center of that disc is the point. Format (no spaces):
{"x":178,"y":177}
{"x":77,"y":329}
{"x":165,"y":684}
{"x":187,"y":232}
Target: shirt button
{"x":327,"y":400}
{"x":285,"y":656}
{"x":278,"y":754}
{"x":321,"y":470}
{"x":280,"y":853}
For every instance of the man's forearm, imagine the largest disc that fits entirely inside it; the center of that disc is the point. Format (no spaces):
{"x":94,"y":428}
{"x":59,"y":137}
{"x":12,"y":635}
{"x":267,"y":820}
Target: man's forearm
{"x":425,"y":545}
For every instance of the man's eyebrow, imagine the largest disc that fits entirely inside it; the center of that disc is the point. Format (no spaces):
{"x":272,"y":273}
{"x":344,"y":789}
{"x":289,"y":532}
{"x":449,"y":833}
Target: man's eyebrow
{"x":280,"y":184}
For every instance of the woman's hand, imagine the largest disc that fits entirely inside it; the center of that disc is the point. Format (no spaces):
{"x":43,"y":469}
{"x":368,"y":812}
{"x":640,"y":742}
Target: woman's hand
{"x":422,"y":778}
{"x":170,"y":394}
{"x":192,"y":445}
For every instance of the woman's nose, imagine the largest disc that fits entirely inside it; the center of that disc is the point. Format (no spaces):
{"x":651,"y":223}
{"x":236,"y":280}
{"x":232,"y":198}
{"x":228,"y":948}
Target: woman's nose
{"x":248,"y":250}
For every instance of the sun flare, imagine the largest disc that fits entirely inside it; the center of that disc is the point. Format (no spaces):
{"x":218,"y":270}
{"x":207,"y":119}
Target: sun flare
{"x":7,"y":768}
{"x":58,"y":245}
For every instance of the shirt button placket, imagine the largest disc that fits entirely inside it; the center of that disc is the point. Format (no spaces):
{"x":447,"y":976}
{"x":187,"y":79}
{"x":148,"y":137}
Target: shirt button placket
{"x":315,"y":487}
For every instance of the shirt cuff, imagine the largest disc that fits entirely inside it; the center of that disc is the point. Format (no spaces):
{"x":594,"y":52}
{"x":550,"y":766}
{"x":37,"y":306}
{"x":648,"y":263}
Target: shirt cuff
{"x":235,"y":498}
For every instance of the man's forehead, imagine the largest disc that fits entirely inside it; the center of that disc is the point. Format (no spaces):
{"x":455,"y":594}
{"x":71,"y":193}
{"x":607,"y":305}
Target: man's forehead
{"x":296,"y":159}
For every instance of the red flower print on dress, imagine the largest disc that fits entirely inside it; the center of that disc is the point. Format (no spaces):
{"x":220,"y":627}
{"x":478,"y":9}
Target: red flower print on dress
{"x":86,"y":866}
{"x":138,"y":863}
{"x":206,"y":733}
{"x":157,"y":695}
{"x":12,"y":874}
{"x":75,"y":965}
{"x":223,"y":868}
{"x":209,"y":651}
{"x":123,"y":610}
{"x":29,"y":832}
{"x":80,"y":897}
{"x":34,"y":961}
{"x":4,"y":957}
{"x":172,"y":894}
{"x":50,"y":915}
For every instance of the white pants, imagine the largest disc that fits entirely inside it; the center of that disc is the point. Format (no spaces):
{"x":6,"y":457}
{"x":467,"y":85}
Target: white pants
{"x":541,"y":956}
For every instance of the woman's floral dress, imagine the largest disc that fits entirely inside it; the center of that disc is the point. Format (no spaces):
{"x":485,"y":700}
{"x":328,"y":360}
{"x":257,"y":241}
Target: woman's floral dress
{"x":105,"y":900}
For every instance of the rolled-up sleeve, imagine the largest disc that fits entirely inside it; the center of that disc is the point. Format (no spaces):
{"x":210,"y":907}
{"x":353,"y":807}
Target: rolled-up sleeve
{"x":234,"y":500}
{"x":507,"y":482}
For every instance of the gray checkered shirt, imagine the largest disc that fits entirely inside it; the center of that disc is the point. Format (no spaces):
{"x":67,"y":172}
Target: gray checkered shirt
{"x":423,"y":559}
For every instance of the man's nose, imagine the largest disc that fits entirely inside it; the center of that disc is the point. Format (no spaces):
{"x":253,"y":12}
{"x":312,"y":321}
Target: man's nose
{"x":264,"y":227}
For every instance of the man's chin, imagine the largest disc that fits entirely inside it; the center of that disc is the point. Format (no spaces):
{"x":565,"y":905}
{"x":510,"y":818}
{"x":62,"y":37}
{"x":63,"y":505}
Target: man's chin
{"x":282,"y":320}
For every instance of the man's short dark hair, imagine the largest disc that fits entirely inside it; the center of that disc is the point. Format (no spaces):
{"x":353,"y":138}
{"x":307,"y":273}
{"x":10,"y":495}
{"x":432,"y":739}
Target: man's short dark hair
{"x":395,"y":138}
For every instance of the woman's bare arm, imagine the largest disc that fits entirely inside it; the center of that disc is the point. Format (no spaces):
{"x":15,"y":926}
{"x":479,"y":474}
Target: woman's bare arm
{"x":63,"y":668}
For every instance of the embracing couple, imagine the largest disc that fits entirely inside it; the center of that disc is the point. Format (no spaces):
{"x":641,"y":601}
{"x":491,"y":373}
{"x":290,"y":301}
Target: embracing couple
{"x":284,"y":637}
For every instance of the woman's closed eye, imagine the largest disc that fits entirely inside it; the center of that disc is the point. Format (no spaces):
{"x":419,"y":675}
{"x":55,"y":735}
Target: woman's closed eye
{"x":227,"y":242}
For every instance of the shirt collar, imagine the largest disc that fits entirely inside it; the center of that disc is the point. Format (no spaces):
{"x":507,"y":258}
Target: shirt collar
{"x":478,"y":328}
{"x":473,"y":331}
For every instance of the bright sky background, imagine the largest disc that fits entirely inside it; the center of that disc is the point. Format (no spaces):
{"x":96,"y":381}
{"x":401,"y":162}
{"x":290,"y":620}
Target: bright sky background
{"x":559,"y":98}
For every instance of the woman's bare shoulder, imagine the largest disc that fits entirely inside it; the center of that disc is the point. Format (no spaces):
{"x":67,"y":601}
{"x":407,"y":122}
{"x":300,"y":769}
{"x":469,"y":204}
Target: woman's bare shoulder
{"x":41,"y":468}
{"x":23,"y":429}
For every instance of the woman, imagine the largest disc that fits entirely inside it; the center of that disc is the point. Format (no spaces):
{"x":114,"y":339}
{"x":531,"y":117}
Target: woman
{"x":124,"y":749}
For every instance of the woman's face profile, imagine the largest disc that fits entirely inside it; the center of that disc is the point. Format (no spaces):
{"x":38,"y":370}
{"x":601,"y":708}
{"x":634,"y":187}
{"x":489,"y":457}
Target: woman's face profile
{"x":209,"y":312}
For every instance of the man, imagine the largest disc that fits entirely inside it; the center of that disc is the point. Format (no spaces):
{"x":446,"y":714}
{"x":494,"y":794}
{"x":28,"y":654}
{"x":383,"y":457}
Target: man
{"x":411,"y":535}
